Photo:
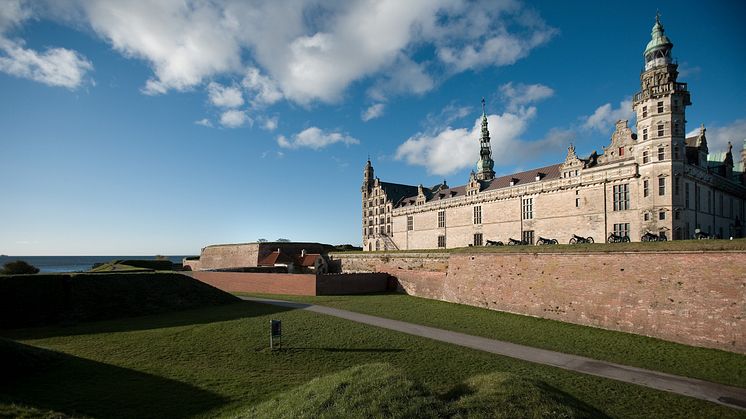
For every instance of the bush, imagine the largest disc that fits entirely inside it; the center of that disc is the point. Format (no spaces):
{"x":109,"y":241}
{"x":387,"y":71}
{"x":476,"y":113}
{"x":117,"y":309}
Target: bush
{"x":18,"y":267}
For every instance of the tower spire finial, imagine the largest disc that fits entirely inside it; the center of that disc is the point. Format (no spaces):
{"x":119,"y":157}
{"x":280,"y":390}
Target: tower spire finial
{"x":483,"y":107}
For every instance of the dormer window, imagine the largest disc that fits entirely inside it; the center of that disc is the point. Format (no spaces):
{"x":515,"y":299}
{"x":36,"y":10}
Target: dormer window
{"x":539,"y":176}
{"x":513,"y":181}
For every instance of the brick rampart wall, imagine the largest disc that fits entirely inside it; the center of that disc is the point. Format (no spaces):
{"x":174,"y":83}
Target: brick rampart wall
{"x":695,"y":298}
{"x":263,"y":283}
{"x":295,"y":284}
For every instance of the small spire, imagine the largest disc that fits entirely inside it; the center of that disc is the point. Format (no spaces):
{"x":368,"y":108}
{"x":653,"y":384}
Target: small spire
{"x":484,"y":113}
{"x":657,"y":16}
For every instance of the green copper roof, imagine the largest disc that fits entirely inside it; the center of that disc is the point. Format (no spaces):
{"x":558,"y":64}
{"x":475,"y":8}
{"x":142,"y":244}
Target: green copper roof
{"x":659,"y":39}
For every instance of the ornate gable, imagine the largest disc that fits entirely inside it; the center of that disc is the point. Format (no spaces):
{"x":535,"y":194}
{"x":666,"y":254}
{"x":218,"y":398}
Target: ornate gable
{"x":621,"y":144}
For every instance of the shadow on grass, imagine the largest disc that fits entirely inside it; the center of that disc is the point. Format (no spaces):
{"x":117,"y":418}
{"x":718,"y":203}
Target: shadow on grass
{"x":51,"y":380}
{"x":205,"y":315}
{"x":371,"y":350}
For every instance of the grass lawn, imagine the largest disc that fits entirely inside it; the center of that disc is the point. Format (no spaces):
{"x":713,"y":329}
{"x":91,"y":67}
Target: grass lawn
{"x":599,"y":246}
{"x":623,"y":348}
{"x":215,"y":362}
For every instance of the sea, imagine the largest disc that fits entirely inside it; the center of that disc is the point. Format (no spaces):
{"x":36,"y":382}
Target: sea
{"x":74,"y":263}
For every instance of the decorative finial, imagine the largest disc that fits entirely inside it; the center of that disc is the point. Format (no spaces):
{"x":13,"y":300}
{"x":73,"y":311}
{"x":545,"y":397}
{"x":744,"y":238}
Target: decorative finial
{"x":657,"y":16}
{"x":483,"y":107}
{"x":730,"y":147}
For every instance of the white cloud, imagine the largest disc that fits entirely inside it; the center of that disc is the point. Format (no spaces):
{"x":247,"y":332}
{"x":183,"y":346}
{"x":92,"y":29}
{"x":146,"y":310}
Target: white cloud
{"x":270,"y":123}
{"x":304,"y":50}
{"x":451,"y":149}
{"x":234,"y":118}
{"x":315,"y":138}
{"x":204,"y":122}
{"x":54,"y":67}
{"x":265,"y":90}
{"x":606,"y":116}
{"x":224,"y":96}
{"x":523,"y":94}
{"x":374,"y":111}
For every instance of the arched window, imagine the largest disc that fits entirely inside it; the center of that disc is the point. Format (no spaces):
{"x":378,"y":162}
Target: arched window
{"x":378,"y":245}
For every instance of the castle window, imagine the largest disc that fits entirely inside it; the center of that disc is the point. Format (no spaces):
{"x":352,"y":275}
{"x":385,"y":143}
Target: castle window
{"x":686,"y":195}
{"x":478,"y":215}
{"x":388,"y":219}
{"x":644,"y":111}
{"x":660,"y":130}
{"x":370,"y":231}
{"x":661,"y":186}
{"x":441,"y":241}
{"x":676,"y":153}
{"x":647,"y":216}
{"x":410,"y":224}
{"x":621,"y":229}
{"x":676,"y":127}
{"x":388,"y":229}
{"x":577,"y":202}
{"x":662,"y":215}
{"x":677,"y":186}
{"x":477,"y":239}
{"x":645,"y":188}
{"x":621,"y":151}
{"x":621,"y":197}
{"x":644,"y":134}
{"x":528,"y":236}
{"x":527,"y":208}
{"x":660,"y":107}
{"x":661,"y":153}
{"x":645,"y":156}
{"x":677,"y":215}
{"x":441,"y":218}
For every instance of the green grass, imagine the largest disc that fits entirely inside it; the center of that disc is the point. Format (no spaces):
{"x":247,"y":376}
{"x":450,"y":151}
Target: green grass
{"x":668,"y":246}
{"x":215,"y":361}
{"x":623,"y":348}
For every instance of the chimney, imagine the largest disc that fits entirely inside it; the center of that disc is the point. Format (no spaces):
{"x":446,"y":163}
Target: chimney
{"x":303,"y":253}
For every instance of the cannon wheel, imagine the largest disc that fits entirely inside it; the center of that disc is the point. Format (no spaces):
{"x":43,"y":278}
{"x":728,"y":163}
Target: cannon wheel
{"x":573,"y":240}
{"x":611,"y":239}
{"x":320,"y":265}
{"x":590,"y":239}
{"x":625,"y":239}
{"x":554,"y":241}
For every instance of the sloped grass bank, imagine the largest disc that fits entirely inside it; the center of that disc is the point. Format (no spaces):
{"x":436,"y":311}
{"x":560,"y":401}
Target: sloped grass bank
{"x":374,"y":390}
{"x":622,"y":348}
{"x":34,"y":300}
{"x":215,"y":361}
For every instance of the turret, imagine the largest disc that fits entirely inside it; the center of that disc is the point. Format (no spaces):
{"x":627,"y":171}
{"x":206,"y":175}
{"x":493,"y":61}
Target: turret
{"x":368,"y":177}
{"x":658,"y":50}
{"x":485,"y":163}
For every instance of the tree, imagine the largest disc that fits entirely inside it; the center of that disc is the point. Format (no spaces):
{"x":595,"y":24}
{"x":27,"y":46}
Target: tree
{"x":261,"y":240}
{"x":282,"y":240}
{"x":18,"y":267}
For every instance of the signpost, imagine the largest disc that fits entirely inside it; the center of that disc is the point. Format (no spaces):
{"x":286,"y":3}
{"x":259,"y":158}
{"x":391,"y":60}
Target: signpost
{"x":275,"y":333}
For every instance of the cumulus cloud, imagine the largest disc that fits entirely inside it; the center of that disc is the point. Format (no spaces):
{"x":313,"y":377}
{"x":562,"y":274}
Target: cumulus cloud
{"x":523,"y":94}
{"x":233,"y":118}
{"x":270,"y":123}
{"x":605,"y":116}
{"x":374,"y":111}
{"x":224,"y":96}
{"x":204,"y":122}
{"x":315,"y":138}
{"x":54,"y":67}
{"x":262,"y":88}
{"x":450,"y":149}
{"x":404,"y":76}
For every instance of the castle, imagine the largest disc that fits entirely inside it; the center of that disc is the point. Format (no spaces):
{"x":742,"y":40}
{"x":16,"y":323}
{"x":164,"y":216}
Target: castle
{"x":655,"y":180}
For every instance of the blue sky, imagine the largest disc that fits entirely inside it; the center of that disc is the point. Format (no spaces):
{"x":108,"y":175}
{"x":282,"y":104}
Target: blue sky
{"x":162,"y":127}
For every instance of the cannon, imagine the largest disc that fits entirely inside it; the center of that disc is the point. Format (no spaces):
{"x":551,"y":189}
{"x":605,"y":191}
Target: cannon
{"x":543,"y":241}
{"x":580,"y":239}
{"x":618,"y":238}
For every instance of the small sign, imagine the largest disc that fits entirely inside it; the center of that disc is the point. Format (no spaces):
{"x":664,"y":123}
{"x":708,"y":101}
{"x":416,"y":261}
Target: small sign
{"x":275,"y":333}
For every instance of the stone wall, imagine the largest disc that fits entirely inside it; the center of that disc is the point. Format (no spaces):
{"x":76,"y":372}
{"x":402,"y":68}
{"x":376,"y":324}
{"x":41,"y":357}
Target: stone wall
{"x":695,"y":298}
{"x":242,"y":255}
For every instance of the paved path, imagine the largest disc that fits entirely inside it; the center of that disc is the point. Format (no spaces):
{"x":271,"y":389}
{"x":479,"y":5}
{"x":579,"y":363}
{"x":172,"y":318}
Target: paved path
{"x":718,"y":393}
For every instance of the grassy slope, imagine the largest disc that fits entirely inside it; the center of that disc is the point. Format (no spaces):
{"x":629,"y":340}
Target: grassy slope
{"x":669,"y":246}
{"x":623,"y":348}
{"x":215,"y":361}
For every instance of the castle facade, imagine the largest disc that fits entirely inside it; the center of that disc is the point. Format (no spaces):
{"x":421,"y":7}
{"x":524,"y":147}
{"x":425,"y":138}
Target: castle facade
{"x":653,"y":180}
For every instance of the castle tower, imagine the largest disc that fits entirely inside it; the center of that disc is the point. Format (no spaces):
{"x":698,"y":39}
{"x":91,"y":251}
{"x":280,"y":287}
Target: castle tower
{"x":660,"y":149}
{"x":485,"y":163}
{"x":368,"y":178}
